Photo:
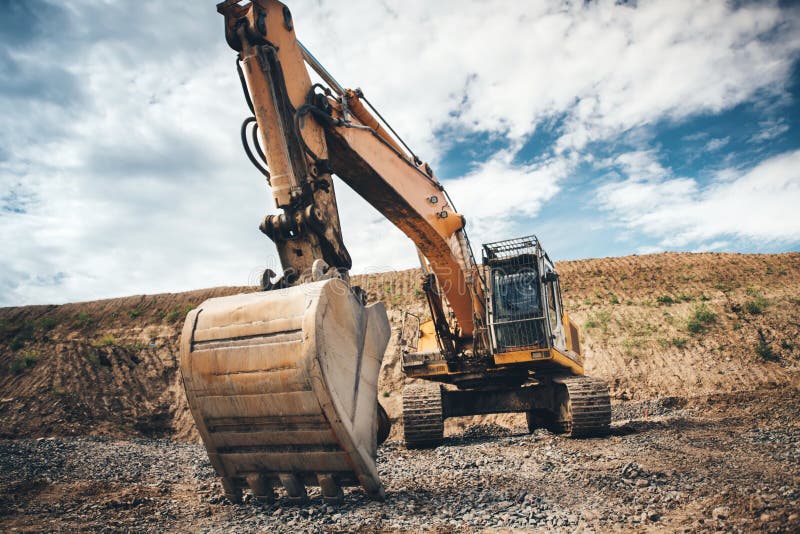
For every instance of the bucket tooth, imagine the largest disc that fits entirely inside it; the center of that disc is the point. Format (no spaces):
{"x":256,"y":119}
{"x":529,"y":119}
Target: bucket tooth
{"x":261,"y":487}
{"x":331,"y":491}
{"x":232,"y":491}
{"x":294,"y":488}
{"x":285,"y":382}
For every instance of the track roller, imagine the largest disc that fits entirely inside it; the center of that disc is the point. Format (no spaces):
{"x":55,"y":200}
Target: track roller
{"x":423,"y":421}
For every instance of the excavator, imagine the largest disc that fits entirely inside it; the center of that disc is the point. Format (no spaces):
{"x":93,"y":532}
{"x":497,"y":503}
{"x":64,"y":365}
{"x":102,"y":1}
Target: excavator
{"x":282,"y":382}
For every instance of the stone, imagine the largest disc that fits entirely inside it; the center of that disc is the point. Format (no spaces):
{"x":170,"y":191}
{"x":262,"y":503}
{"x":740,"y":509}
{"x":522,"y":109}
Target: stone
{"x":720,"y":512}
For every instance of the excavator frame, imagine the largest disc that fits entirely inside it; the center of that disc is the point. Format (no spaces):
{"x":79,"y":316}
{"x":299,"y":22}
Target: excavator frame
{"x":282,"y":383}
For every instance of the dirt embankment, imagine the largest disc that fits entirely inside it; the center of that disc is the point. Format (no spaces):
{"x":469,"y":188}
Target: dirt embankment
{"x":658,"y":325}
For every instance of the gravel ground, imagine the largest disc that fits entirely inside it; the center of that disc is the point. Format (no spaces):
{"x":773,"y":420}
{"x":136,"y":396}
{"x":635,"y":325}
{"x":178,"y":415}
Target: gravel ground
{"x":729,"y":463}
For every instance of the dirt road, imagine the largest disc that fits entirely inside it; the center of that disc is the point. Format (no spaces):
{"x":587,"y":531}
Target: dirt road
{"x":727,"y":463}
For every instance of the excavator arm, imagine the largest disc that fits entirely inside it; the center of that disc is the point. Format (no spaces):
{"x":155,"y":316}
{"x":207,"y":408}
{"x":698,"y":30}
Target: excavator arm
{"x":310,"y":131}
{"x":282,"y":383}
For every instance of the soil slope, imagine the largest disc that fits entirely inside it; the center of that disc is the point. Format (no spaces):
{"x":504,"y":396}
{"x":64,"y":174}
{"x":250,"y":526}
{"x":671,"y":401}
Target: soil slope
{"x":674,"y":324}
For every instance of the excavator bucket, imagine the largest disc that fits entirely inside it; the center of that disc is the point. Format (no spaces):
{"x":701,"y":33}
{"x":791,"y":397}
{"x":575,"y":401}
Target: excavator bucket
{"x":282,"y":385}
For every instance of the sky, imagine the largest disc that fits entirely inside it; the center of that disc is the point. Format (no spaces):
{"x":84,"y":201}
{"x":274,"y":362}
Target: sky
{"x":605,"y":128}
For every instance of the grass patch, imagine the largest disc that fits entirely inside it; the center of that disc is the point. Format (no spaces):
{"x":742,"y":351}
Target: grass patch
{"x":48,"y":323}
{"x":136,"y":346}
{"x":24,"y":362}
{"x":755,"y":305}
{"x":764,"y":350}
{"x":598,"y":319}
{"x":665,"y":299}
{"x":700,"y":319}
{"x":679,"y":342}
{"x":82,"y":319}
{"x":108,"y":340}
{"x":21,"y":336}
{"x":614,"y":299}
{"x":93,"y":357}
{"x":178,"y":313}
{"x":630,"y":348}
{"x":133,"y":314}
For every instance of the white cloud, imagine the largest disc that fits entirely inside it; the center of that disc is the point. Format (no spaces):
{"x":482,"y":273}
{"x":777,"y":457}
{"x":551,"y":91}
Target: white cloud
{"x":608,"y":67}
{"x":760,"y":204}
{"x":121,"y":145}
{"x":716,"y":143}
{"x":770,"y":129}
{"x":499,"y":192}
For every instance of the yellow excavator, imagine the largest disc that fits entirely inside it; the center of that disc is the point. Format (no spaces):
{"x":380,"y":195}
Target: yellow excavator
{"x":282,"y":382}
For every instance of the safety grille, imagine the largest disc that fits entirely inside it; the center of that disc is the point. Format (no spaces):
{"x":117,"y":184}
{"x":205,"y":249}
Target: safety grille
{"x":516,"y":318}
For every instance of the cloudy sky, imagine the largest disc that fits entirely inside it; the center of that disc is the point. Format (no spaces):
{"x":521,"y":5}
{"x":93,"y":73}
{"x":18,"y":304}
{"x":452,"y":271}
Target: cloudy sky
{"x":605,"y":129}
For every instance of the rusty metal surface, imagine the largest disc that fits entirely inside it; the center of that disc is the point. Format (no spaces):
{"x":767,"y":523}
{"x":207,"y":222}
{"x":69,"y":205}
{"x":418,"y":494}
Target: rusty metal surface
{"x":283,"y":387}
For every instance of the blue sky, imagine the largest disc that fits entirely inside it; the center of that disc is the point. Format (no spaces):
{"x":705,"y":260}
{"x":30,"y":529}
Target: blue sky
{"x":605,"y":129}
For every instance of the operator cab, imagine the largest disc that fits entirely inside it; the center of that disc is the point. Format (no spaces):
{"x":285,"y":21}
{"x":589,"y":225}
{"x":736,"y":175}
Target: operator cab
{"x":524,"y":297}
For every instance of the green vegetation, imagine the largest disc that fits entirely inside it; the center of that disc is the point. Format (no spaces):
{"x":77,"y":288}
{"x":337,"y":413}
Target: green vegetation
{"x":26,"y":361}
{"x":48,"y":323}
{"x":22,"y":336}
{"x":639,"y":329}
{"x":136,"y":346}
{"x":614,"y":299}
{"x":599,"y":319}
{"x":755,"y":305}
{"x":684,"y":298}
{"x":630,"y":348}
{"x":700,"y":319}
{"x":178,"y":313}
{"x":133,"y":314}
{"x":764,"y":350}
{"x":108,"y":340}
{"x":665,"y":299}
{"x":82,"y":319}
{"x":785,"y":345}
{"x":93,"y":357}
{"x":385,"y":394}
{"x":679,"y":342}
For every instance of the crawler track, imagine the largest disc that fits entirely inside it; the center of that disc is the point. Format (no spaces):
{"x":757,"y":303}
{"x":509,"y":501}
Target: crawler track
{"x":589,"y":405}
{"x":423,"y":422}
